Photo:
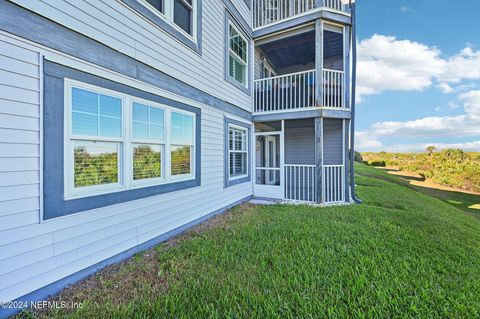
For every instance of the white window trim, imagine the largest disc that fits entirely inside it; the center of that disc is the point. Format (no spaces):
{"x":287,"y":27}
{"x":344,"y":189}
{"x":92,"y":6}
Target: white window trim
{"x":125,"y":163}
{"x":240,"y":128}
{"x":168,"y":16}
{"x":236,"y":57}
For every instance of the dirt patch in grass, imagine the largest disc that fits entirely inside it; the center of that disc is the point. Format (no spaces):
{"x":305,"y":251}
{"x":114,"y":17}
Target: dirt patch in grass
{"x":136,"y":278}
{"x":418,"y":180}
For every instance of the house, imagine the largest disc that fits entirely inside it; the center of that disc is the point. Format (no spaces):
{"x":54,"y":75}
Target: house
{"x":123,"y":122}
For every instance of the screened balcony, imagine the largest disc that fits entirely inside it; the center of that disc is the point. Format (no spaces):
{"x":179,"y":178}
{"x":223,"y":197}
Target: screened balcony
{"x":286,"y":76}
{"x":267,"y":12}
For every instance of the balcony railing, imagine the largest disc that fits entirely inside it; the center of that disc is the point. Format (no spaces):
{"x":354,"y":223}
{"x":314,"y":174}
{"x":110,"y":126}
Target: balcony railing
{"x":333,"y":88}
{"x":297,"y":91}
{"x":271,"y":11}
{"x":333,"y":184}
{"x":285,"y":92}
{"x":300,"y":183}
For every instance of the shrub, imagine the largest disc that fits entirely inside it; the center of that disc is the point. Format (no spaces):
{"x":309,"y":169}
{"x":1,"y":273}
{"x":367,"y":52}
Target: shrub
{"x":358,"y":157}
{"x":378,"y":163}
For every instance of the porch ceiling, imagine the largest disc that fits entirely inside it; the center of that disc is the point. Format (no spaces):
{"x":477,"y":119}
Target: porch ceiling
{"x":300,"y":49}
{"x":295,"y":50}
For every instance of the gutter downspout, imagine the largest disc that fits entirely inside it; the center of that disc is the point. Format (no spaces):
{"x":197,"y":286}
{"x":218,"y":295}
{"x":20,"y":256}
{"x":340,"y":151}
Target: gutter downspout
{"x":352,"y":121}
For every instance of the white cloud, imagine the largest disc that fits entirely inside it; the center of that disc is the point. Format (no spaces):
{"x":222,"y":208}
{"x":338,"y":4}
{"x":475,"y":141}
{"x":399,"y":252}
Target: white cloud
{"x":363,"y":141}
{"x":472,"y":102}
{"x":463,"y":66}
{"x":445,"y":88}
{"x":406,"y":9}
{"x":453,"y":105}
{"x":420,"y":147}
{"x":456,"y":126}
{"x":385,"y":63}
{"x":388,"y":64}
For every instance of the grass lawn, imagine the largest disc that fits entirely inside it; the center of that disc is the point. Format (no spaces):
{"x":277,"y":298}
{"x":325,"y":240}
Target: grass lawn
{"x":402,"y":253}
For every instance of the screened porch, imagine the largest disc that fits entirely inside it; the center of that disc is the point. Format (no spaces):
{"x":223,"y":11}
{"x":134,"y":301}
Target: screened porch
{"x":286,"y":76}
{"x":285,"y":161}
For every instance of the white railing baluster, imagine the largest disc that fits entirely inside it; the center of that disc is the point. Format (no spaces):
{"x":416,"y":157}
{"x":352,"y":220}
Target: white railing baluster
{"x":271,"y":11}
{"x":296,"y":90}
{"x":333,"y":88}
{"x":300,"y":182}
{"x":333,"y":183}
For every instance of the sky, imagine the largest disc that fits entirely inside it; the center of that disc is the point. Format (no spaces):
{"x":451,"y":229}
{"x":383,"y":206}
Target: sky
{"x":418,"y":75}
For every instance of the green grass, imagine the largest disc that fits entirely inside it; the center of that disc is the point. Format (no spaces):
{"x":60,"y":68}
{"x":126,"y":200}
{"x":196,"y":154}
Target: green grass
{"x":401,"y":254}
{"x":457,"y":198}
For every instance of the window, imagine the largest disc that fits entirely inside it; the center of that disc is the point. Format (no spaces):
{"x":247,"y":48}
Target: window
{"x":178,"y":12}
{"x":148,"y":141}
{"x":117,"y":142}
{"x":96,"y":140}
{"x":237,"y":55}
{"x":237,"y":152}
{"x":182,"y":144}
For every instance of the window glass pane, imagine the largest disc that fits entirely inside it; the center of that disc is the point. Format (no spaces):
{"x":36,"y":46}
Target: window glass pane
{"x":147,"y":161}
{"x":140,"y":112}
{"x":84,"y":124}
{"x":148,"y":123}
{"x":110,"y":106}
{"x":187,"y":122}
{"x":84,"y":101}
{"x":237,"y":44}
{"x":231,"y":136}
{"x":176,"y":120}
{"x":95,"y":163}
{"x":182,"y":128}
{"x":240,"y":164}
{"x":156,"y":115}
{"x":96,"y":114}
{"x":232,"y":163}
{"x":157,"y":4}
{"x":237,"y":70}
{"x":110,"y":127}
{"x":187,"y":136}
{"x":180,"y":157}
{"x":176,"y":135}
{"x":182,"y":15}
{"x":140,"y":130}
{"x":156,"y":132}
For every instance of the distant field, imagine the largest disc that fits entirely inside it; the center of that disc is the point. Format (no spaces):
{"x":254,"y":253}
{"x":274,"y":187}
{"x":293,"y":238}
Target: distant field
{"x":453,"y":168}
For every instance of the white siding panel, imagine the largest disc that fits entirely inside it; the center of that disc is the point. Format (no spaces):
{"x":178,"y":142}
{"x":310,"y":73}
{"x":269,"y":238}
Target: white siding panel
{"x":21,"y":260}
{"x":18,"y":206}
{"x":15,"y":66}
{"x":16,"y":221}
{"x":18,"y":192}
{"x":18,"y":94}
{"x":18,"y":108}
{"x":18,"y":150}
{"x":19,"y":138}
{"x":13,"y":51}
{"x":18,"y":164}
{"x":19,"y":80}
{"x":243,"y":9}
{"x":19,"y":122}
{"x":18,"y":178}
{"x":24,"y":246}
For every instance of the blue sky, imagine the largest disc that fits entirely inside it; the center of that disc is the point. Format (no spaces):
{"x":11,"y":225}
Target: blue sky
{"x":419,"y":74}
